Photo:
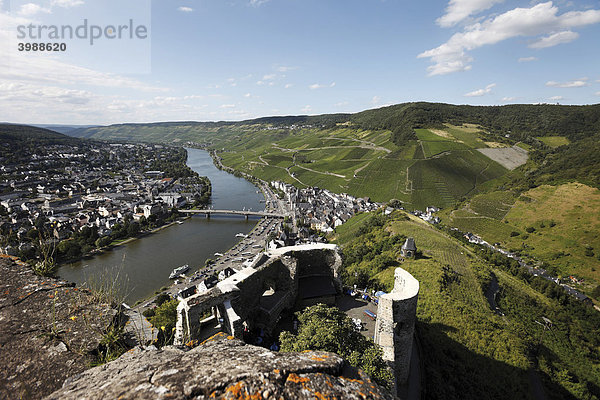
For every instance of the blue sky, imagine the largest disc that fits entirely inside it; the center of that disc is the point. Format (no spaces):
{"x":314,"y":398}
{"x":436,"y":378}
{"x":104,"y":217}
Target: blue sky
{"x":238,"y":59}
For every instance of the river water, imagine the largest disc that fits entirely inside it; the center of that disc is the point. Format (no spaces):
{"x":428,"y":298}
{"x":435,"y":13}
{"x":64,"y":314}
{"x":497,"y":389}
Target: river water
{"x":142,"y":267}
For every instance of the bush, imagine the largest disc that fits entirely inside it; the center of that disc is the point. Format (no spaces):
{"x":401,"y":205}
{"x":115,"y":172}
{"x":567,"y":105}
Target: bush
{"x":165,"y":319}
{"x":530,"y":229}
{"x":149,"y":313}
{"x":514,"y":233}
{"x":162,"y":298}
{"x":103,"y":241}
{"x":329,"y":329}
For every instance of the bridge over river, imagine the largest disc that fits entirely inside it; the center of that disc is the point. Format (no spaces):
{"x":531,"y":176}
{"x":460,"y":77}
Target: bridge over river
{"x":245,"y":213}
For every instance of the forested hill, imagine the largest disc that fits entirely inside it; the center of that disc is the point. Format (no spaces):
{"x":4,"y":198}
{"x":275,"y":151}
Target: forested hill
{"x":573,"y":122}
{"x":533,"y":119}
{"x":15,"y":133}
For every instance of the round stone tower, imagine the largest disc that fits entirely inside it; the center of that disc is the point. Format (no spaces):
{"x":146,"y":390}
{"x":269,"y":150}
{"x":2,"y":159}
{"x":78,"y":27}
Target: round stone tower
{"x":395,"y":326}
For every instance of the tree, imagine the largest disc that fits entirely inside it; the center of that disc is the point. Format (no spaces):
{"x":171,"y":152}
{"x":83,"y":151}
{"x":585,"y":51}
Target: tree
{"x":103,"y":241}
{"x":164,"y":319}
{"x":329,"y":329}
{"x":395,"y":203}
{"x":133,"y":229}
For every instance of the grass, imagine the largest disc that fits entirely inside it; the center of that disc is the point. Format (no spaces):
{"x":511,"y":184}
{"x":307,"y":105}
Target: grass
{"x":469,"y":135}
{"x":432,"y":148}
{"x":554,"y":141}
{"x":468,"y":351}
{"x":565,"y":220}
{"x":436,"y":170}
{"x":524,"y":146}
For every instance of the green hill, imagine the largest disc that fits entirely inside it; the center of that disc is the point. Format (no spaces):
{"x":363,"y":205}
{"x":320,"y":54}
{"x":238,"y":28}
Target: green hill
{"x":421,"y":153}
{"x":15,"y":133}
{"x":468,"y":351}
{"x":557,"y":225}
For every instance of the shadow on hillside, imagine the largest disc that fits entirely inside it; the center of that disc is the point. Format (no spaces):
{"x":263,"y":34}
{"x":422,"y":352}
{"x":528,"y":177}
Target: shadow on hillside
{"x":453,"y":371}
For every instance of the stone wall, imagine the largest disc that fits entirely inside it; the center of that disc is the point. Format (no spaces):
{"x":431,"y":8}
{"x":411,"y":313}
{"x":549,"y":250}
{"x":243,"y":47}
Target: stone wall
{"x":395,"y":325}
{"x":239,"y":299}
{"x":49,"y":330}
{"x":222,"y":368}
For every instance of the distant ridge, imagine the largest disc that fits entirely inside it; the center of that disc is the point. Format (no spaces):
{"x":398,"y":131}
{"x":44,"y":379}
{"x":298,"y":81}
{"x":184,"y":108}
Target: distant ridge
{"x":13,"y":132}
{"x":533,"y":119}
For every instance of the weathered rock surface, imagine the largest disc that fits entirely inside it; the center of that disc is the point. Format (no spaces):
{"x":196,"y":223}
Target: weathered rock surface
{"x":221,"y":368}
{"x":48,"y":328}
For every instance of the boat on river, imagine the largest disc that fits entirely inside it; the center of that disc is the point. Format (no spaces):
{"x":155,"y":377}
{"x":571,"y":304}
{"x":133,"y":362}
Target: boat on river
{"x":178,"y":271}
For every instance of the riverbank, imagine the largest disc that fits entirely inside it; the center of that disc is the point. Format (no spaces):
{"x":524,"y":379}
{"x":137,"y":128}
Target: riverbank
{"x":147,"y":263}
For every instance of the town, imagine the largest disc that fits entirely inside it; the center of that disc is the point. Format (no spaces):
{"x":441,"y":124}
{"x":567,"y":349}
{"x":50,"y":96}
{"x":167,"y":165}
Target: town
{"x":95,"y":193}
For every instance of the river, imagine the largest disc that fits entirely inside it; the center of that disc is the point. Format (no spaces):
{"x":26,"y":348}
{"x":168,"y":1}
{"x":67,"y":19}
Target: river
{"x":142,"y":267}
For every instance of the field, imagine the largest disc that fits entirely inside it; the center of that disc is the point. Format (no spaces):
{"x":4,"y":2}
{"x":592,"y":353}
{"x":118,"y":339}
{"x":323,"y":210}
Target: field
{"x":439,"y":169}
{"x":508,"y":157}
{"x":554,"y":141}
{"x":558,"y":225}
{"x":468,"y":351}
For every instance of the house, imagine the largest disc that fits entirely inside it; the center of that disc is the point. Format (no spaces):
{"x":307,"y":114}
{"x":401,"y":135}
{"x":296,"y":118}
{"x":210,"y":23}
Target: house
{"x":226,"y":273}
{"x":151,"y":209}
{"x":207,"y":283}
{"x":409,"y":249}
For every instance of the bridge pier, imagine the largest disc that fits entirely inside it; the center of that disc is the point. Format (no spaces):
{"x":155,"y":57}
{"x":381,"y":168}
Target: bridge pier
{"x":246,"y":216}
{"x":207,"y":215}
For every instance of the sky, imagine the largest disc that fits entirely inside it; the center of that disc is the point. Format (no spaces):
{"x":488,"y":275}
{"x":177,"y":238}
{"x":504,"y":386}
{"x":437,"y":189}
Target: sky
{"x":210,"y":60}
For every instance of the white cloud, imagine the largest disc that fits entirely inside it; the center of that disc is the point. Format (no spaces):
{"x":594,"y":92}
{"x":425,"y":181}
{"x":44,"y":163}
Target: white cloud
{"x":28,"y":93}
{"x":315,"y":86}
{"x":44,"y":70}
{"x":540,"y":19}
{"x":481,"y":92}
{"x":257,"y":3}
{"x":569,"y":84}
{"x":32,"y":9}
{"x":284,"y":68}
{"x":556,"y":98}
{"x":597,"y":93}
{"x":341,"y":104}
{"x":247,"y":95}
{"x":67,"y":3}
{"x":554,"y":39}
{"x":269,"y":77}
{"x":459,"y":10}
{"x":527,"y":59}
{"x":306,"y":109}
{"x":508,"y":99}
{"x":185,"y":9}
{"x":288,"y":85}
{"x":376,"y":100}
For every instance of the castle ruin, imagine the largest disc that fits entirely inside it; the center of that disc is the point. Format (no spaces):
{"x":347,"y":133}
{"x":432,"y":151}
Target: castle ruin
{"x":395,"y":325}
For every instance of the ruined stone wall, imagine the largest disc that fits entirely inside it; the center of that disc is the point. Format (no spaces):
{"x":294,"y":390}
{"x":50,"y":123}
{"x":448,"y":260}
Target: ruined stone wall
{"x":238,"y":298}
{"x":395,"y":325}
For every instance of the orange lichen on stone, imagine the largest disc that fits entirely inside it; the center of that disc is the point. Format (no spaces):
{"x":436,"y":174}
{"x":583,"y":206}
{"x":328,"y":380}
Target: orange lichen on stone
{"x":214,"y":337}
{"x":319,"y":358}
{"x":239,"y":391}
{"x":276,"y":371}
{"x":321,"y":396}
{"x":230,"y":337}
{"x":297,"y":379}
{"x":360,"y":382}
